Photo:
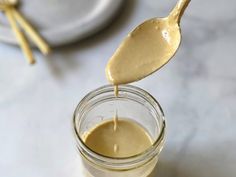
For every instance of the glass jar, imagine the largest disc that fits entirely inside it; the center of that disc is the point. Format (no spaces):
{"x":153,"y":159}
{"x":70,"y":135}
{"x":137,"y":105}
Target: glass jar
{"x":133,"y":103}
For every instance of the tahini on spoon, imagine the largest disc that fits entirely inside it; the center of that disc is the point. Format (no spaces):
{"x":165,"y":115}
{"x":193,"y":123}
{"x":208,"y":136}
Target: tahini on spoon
{"x":147,"y":48}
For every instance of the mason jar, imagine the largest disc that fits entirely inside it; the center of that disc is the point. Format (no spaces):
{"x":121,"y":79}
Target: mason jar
{"x":132,"y":103}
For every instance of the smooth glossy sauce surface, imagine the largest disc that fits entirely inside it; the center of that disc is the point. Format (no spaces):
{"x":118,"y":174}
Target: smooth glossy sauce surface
{"x":145,"y":50}
{"x":127,"y":140}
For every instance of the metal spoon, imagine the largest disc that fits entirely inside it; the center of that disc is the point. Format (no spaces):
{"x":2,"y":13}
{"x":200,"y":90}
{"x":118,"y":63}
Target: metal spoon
{"x":36,"y":38}
{"x":4,"y":4}
{"x":147,"y":48}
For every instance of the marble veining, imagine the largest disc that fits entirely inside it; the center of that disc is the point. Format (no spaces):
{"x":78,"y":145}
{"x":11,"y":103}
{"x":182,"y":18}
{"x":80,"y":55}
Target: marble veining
{"x":197,"y":91}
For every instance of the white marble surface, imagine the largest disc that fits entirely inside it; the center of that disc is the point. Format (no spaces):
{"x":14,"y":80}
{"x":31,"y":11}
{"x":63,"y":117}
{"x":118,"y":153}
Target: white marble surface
{"x":197,"y":91}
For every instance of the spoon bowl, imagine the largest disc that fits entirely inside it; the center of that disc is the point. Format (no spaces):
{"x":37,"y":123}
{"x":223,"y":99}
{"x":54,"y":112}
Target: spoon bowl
{"x":147,"y":48}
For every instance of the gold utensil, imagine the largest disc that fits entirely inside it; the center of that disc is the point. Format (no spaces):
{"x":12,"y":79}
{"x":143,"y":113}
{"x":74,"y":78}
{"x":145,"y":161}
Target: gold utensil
{"x":37,"y":39}
{"x":14,"y":17}
{"x":18,"y":33}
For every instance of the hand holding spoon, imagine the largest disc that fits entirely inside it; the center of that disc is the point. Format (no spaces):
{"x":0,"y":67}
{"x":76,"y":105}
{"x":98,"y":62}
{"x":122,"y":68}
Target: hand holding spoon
{"x":147,"y":48}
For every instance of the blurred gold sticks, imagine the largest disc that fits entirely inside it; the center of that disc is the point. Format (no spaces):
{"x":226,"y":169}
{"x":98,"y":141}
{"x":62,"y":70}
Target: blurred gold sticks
{"x":16,"y":19}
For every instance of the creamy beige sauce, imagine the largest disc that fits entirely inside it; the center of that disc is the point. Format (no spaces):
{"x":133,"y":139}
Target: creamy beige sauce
{"x":144,"y":51}
{"x":116,"y":90}
{"x":115,"y":121}
{"x":115,"y":118}
{"x":129,"y":139}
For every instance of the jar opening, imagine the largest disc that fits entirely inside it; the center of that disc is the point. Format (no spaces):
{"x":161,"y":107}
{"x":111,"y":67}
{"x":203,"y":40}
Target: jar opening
{"x":106,"y":93}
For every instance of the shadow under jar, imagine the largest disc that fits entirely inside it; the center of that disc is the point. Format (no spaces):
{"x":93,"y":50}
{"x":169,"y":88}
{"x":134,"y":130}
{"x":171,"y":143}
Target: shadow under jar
{"x":133,"y":104}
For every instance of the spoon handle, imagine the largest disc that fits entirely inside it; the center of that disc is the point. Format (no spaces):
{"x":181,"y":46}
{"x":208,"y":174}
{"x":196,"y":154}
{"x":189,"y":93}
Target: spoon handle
{"x":36,"y":38}
{"x":178,"y":10}
{"x":20,"y":36}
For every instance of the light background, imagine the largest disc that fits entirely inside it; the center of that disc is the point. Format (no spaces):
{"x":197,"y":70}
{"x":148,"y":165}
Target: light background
{"x":197,"y":91}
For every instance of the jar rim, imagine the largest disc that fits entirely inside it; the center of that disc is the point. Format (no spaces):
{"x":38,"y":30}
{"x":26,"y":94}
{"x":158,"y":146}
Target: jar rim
{"x":106,"y":160}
